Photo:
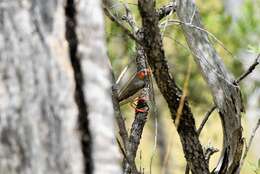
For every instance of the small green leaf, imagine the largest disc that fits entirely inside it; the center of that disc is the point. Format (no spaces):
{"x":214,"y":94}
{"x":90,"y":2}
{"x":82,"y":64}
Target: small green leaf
{"x":259,"y":163}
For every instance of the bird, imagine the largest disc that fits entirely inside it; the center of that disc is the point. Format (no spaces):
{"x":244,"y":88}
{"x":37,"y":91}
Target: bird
{"x":130,"y":84}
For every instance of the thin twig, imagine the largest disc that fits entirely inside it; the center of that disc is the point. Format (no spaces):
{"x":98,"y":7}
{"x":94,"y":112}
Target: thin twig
{"x":239,"y":79}
{"x":203,"y":30}
{"x":119,"y":118}
{"x":127,"y":31}
{"x":129,"y":18}
{"x":122,"y":150}
{"x":249,"y":70}
{"x":206,"y":117}
{"x":250,"y":142}
{"x":155,"y":142}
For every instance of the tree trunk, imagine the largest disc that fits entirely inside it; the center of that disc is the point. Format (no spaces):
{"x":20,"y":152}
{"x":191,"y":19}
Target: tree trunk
{"x":56,"y":113}
{"x":96,"y":86}
{"x":38,"y":114}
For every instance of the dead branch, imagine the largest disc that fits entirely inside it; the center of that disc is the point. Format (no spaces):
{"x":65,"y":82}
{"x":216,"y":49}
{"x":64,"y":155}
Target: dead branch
{"x":227,"y":96}
{"x":239,"y":79}
{"x":206,"y":117}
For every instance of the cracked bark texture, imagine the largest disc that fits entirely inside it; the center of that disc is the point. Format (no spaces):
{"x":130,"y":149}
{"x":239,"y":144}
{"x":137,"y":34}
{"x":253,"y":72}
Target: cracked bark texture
{"x":96,"y":71}
{"x":53,"y":89}
{"x":38,"y":115}
{"x":226,"y":93}
{"x":157,"y":60}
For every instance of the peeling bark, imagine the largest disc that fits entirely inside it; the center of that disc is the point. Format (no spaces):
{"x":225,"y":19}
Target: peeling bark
{"x":226,"y":93}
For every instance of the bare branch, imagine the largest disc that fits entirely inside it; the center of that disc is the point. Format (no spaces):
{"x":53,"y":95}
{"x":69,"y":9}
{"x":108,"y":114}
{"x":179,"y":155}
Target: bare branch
{"x":127,"y":31}
{"x":189,"y":24}
{"x":206,"y":117}
{"x":249,"y":70}
{"x":119,"y":118}
{"x":239,"y":79}
{"x":129,"y":18}
{"x":249,"y":143}
{"x":227,"y":95}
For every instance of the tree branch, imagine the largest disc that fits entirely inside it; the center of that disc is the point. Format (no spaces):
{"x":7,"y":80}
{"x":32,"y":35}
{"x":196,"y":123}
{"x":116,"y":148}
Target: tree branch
{"x":239,"y":79}
{"x":129,"y":18}
{"x":119,"y":118}
{"x":206,"y":117}
{"x":114,"y":19}
{"x":171,"y":92}
{"x":227,"y":96}
{"x":141,"y":111}
{"x":249,"y":70}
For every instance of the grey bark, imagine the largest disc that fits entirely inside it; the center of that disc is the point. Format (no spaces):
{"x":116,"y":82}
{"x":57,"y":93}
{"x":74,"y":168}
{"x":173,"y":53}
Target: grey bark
{"x":226,"y":93}
{"x":49,"y":84}
{"x":96,"y":85}
{"x":38,"y":115}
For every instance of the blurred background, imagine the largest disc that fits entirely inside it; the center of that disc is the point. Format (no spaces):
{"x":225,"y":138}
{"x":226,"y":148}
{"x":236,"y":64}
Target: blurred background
{"x":236,"y":23}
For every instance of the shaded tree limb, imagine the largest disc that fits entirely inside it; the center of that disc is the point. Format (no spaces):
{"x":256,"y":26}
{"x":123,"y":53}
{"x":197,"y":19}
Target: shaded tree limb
{"x":129,"y":18}
{"x":136,"y":131}
{"x":171,"y":92}
{"x":132,"y":166}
